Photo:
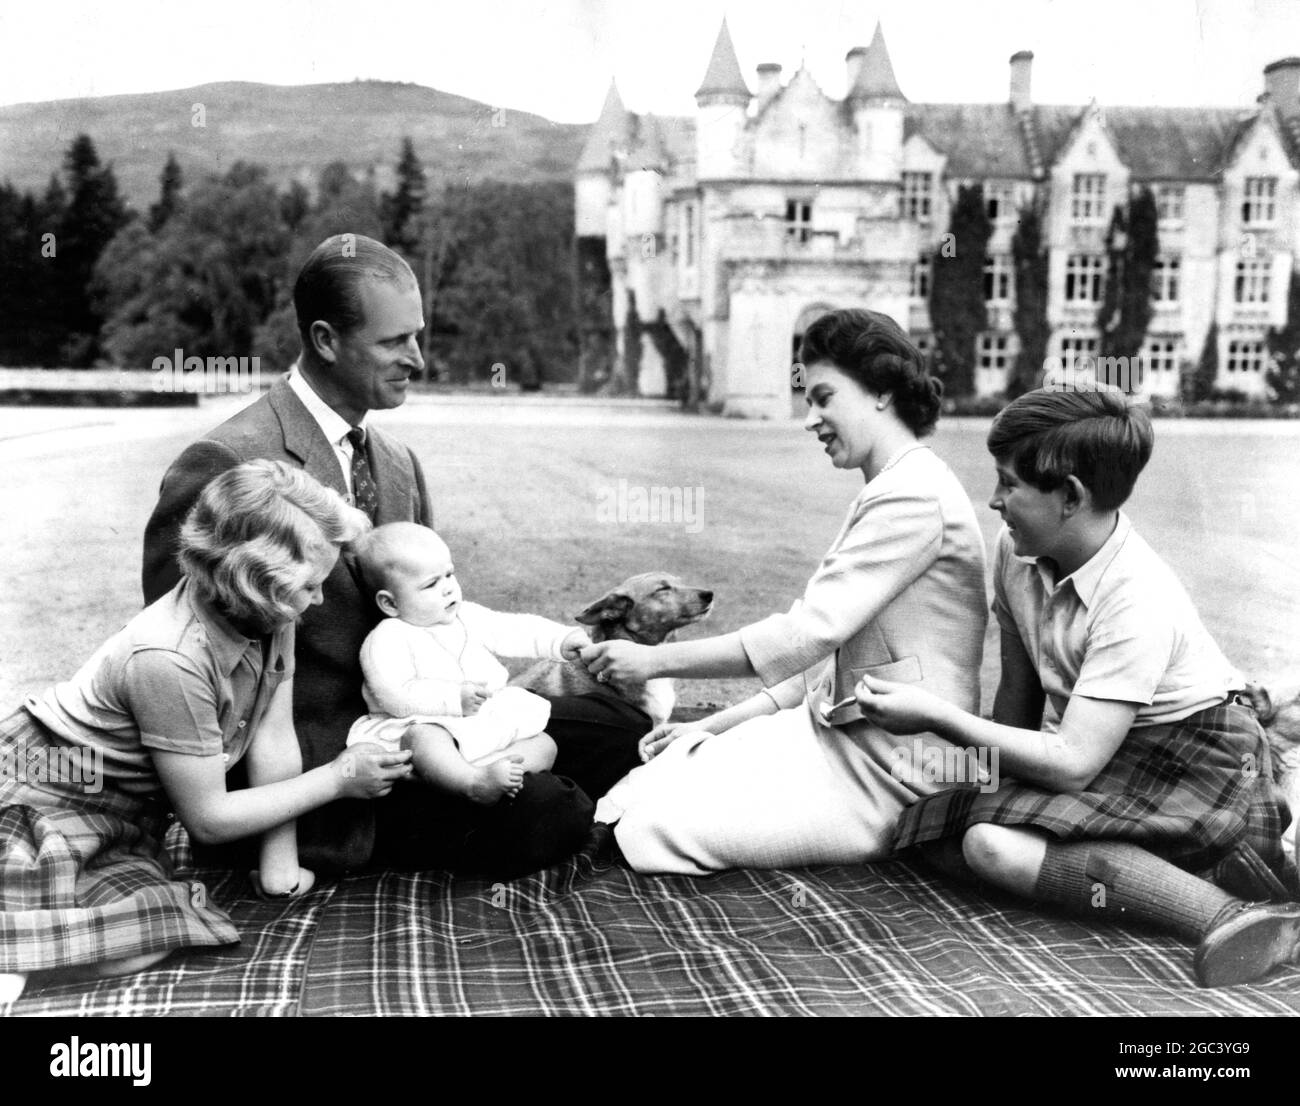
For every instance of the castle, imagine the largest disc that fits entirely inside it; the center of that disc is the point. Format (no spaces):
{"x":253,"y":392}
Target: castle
{"x":727,"y":233}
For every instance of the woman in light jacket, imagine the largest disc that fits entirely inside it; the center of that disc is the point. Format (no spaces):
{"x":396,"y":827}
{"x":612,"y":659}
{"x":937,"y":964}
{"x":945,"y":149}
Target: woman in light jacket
{"x":770,"y":782}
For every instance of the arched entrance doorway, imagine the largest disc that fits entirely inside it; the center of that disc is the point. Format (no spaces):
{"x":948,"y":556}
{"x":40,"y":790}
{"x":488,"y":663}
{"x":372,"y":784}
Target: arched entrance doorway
{"x":798,"y":406}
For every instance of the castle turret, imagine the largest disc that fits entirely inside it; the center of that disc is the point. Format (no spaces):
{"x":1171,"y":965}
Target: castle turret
{"x":607,"y":140}
{"x":723,"y":98}
{"x":877,"y":104}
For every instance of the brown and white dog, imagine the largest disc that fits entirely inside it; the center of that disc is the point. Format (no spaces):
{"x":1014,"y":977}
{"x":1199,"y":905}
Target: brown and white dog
{"x":1278,"y":711}
{"x":648,"y":609}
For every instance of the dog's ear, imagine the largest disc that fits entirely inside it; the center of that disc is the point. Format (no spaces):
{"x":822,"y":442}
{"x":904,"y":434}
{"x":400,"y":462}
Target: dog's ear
{"x":1261,"y":701}
{"x":610,"y":607}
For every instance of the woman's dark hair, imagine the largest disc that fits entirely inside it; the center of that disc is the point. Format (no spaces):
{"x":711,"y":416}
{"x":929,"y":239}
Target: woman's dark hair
{"x":873,"y":350}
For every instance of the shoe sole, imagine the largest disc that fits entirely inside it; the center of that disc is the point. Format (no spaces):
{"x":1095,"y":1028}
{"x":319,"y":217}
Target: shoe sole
{"x":1249,"y":947}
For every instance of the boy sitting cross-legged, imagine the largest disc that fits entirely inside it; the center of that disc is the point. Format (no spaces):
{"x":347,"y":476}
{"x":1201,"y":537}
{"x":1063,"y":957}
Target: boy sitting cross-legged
{"x":1135,"y":765}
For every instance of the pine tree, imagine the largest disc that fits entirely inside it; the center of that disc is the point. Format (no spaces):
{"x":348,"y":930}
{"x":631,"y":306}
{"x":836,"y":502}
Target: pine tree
{"x":169,"y":194}
{"x":401,"y":210}
{"x":1032,"y":329}
{"x":1205,"y":377}
{"x":1283,"y":376}
{"x":957,"y":310}
{"x":95,"y":213}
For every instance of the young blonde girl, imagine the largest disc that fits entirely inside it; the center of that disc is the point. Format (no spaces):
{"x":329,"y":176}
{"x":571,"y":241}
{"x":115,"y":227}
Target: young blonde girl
{"x":197,"y":681}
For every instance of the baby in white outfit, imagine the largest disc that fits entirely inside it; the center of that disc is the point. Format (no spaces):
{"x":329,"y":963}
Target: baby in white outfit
{"x":432,"y":681}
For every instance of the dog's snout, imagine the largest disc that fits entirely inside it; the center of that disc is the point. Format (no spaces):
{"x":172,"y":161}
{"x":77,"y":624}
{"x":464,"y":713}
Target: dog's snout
{"x":706,"y":596}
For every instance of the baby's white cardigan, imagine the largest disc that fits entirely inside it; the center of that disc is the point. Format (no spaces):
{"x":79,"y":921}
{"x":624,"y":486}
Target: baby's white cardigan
{"x":419,"y":670}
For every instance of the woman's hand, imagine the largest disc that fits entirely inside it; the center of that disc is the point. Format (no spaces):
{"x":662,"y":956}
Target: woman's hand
{"x":899,"y":708}
{"x":573,"y":645}
{"x":622,"y":663}
{"x":472,"y":697}
{"x":368,"y":771}
{"x":663,"y":735}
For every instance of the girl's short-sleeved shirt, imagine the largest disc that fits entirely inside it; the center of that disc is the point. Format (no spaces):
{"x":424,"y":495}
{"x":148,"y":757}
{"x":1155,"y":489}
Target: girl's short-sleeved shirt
{"x":1119,"y":627}
{"x":177,"y":677}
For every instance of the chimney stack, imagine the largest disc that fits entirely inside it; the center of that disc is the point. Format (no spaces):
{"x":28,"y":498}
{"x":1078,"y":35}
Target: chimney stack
{"x":1021,"y":64}
{"x":1282,"y":85}
{"x":769,"y":81}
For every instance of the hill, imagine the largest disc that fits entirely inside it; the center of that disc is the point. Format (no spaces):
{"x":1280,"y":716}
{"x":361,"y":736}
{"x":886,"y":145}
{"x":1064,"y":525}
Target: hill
{"x":293,"y":130}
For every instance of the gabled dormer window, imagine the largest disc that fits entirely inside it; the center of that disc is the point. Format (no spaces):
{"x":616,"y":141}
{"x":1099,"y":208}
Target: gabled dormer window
{"x":918,"y":195}
{"x":1000,"y":202}
{"x":1169,"y":203}
{"x":1259,"y":201}
{"x":1088,"y":198}
{"x":798,"y":220}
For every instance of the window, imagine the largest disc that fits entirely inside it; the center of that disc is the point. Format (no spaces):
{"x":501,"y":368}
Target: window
{"x":1000,"y":202}
{"x":1251,"y":285}
{"x":916,"y":195}
{"x":1245,"y":357}
{"x":1083,"y":275}
{"x":997,"y":278}
{"x":993,"y":352}
{"x":688,"y":220}
{"x":1169,"y":203}
{"x":1088,"y":200}
{"x":921,"y":277}
{"x":1164,"y":280}
{"x":1079,"y":353}
{"x":924,"y":344}
{"x":798,"y":220}
{"x":1159,"y":359}
{"x":1259,"y":205}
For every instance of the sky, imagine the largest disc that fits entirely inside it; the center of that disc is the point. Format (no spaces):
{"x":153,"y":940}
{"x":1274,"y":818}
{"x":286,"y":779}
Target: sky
{"x":556,"y":57}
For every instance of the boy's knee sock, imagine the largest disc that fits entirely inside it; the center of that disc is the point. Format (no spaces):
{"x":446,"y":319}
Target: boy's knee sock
{"x":1115,"y":880}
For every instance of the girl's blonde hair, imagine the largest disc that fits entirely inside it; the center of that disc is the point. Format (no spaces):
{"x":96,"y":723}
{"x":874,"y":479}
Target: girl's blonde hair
{"x":247,"y":540}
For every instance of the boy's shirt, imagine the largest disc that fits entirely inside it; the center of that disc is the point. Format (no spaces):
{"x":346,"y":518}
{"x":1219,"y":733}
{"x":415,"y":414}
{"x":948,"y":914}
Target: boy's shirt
{"x":1119,"y":627}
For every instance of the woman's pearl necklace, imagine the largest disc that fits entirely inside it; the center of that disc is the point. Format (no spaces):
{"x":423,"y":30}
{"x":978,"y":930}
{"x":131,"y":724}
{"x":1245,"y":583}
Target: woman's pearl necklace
{"x":899,"y":455}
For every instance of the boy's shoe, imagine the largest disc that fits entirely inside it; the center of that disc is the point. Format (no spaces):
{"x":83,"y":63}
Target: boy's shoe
{"x":1249,"y":944}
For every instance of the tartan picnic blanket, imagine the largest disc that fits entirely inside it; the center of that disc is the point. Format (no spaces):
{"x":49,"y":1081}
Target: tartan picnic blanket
{"x":591,"y":937}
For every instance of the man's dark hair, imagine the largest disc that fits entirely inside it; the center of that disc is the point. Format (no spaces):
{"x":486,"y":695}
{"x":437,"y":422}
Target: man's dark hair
{"x":329,"y":286}
{"x":873,"y":350}
{"x":1091,"y":432}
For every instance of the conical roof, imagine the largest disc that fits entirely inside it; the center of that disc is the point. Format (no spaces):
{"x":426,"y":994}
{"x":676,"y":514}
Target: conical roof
{"x":607,"y":134}
{"x":723,"y":77}
{"x":876,"y":80}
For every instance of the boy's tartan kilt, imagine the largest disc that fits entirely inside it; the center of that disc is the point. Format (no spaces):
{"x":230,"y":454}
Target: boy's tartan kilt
{"x":1190,"y":791}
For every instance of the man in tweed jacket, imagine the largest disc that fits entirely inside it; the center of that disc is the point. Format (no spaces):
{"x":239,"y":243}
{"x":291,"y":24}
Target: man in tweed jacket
{"x":360,"y":314}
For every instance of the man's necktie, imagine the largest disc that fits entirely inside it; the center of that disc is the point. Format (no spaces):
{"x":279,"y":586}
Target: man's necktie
{"x":364,"y":495}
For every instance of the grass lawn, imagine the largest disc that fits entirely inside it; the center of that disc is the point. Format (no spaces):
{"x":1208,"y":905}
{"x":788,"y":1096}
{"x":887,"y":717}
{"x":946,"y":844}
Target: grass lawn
{"x":517,"y":490}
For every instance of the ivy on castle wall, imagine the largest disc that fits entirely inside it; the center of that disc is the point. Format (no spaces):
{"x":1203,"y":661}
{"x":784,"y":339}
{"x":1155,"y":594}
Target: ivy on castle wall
{"x":1132,"y":245}
{"x":1283,"y":376}
{"x":957,"y":311}
{"x":1029,"y":254}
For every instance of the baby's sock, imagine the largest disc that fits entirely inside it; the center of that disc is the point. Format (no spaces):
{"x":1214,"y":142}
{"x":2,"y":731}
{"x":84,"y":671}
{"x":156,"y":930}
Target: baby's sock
{"x":1118,"y":880}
